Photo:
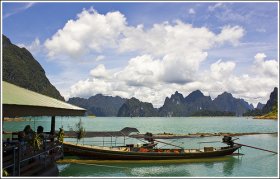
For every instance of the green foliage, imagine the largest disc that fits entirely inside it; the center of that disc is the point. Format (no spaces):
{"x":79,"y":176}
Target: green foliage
{"x":254,"y":112}
{"x":35,"y":141}
{"x":20,"y":68}
{"x":60,"y":135}
{"x":273,"y":113}
{"x":5,"y":173}
{"x":270,"y":110}
{"x":273,"y":101}
{"x":79,"y":130}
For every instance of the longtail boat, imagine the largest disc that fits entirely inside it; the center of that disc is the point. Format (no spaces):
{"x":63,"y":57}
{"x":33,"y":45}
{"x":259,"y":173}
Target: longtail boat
{"x":147,"y":151}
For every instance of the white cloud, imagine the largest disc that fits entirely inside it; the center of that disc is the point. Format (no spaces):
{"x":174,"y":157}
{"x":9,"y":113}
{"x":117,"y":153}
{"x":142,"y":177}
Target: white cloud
{"x":141,"y":71}
{"x":88,"y":87}
{"x":95,"y":32}
{"x":231,"y":34}
{"x":265,"y":67}
{"x":254,"y":87}
{"x":225,"y":12}
{"x":99,"y":72}
{"x":220,"y":70}
{"x":35,"y":46}
{"x":139,"y":79}
{"x":99,"y":58}
{"x":166,"y":58}
{"x":24,"y":7}
{"x":166,"y":38}
{"x":191,"y":11}
{"x":178,"y":48}
{"x":260,"y":56}
{"x":215,"y":6}
{"x":91,"y":31}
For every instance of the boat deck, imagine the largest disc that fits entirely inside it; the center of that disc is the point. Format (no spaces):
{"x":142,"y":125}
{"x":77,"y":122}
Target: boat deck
{"x":141,"y":149}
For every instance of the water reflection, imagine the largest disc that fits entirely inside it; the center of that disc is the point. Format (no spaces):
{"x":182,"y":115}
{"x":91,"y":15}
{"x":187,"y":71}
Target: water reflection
{"x":166,"y":168}
{"x":230,"y":164}
{"x":209,"y":165}
{"x":167,"y":171}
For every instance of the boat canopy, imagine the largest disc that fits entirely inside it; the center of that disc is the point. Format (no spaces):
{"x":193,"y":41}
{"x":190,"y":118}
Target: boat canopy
{"x":20,"y":102}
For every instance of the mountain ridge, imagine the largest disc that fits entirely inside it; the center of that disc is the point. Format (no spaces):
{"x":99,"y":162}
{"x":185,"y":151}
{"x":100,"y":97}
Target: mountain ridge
{"x":99,"y":104}
{"x":194,"y":104}
{"x":22,"y":69}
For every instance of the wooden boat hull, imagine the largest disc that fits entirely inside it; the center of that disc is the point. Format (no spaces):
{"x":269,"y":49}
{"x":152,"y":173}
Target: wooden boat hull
{"x":97,"y":153}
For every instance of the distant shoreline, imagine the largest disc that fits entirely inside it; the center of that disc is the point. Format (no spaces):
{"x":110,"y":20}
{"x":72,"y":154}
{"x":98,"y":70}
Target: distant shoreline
{"x":164,"y":135}
{"x":265,"y":117}
{"x":20,"y":119}
{"x":17,"y":119}
{"x":195,"y":135}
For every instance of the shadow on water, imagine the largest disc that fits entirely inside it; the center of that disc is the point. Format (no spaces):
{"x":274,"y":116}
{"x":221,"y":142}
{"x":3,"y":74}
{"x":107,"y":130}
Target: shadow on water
{"x":153,"y":168}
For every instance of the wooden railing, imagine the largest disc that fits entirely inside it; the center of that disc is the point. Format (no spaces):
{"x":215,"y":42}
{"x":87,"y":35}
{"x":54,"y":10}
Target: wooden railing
{"x":20,"y":159}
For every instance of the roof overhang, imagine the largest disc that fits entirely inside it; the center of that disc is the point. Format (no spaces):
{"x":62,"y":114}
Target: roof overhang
{"x":20,"y":102}
{"x":21,"y":110}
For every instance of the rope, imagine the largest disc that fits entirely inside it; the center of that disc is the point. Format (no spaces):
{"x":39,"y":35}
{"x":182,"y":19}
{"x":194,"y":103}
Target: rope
{"x":170,"y":143}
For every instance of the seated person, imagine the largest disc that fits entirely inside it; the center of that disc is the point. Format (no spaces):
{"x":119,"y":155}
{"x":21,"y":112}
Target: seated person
{"x":22,"y":140}
{"x":40,"y":132}
{"x":21,"y":136}
{"x":28,"y":132}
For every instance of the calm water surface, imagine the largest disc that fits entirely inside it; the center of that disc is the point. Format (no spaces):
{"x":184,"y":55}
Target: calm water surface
{"x":252,"y":163}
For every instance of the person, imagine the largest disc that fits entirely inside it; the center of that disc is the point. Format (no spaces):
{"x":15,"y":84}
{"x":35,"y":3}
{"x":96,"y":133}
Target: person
{"x":40,"y":129}
{"x":21,"y":136}
{"x":28,"y":131}
{"x":40,"y":132}
{"x":21,"y":140}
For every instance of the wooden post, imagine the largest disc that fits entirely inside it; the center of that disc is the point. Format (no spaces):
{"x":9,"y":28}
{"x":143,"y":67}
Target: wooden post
{"x":18,"y":159}
{"x":53,"y":128}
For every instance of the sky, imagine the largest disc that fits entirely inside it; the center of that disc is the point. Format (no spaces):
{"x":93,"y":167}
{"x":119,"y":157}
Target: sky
{"x":150,"y":50}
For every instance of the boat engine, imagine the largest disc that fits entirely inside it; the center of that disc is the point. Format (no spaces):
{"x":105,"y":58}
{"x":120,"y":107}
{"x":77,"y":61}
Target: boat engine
{"x":149,"y":137}
{"x":228,"y":140}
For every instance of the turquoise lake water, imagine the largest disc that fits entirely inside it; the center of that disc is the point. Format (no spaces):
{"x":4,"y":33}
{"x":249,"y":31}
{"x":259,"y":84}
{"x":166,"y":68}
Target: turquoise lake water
{"x":252,"y":163}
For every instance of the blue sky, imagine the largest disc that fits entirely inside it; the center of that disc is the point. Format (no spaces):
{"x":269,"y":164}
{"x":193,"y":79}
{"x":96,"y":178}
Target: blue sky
{"x":151,"y":50}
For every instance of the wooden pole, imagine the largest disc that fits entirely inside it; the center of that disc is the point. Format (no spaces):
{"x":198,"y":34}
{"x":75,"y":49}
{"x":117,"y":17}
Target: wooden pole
{"x":53,"y":125}
{"x":53,"y":128}
{"x":168,"y":144}
{"x":209,"y":142}
{"x":256,"y":148}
